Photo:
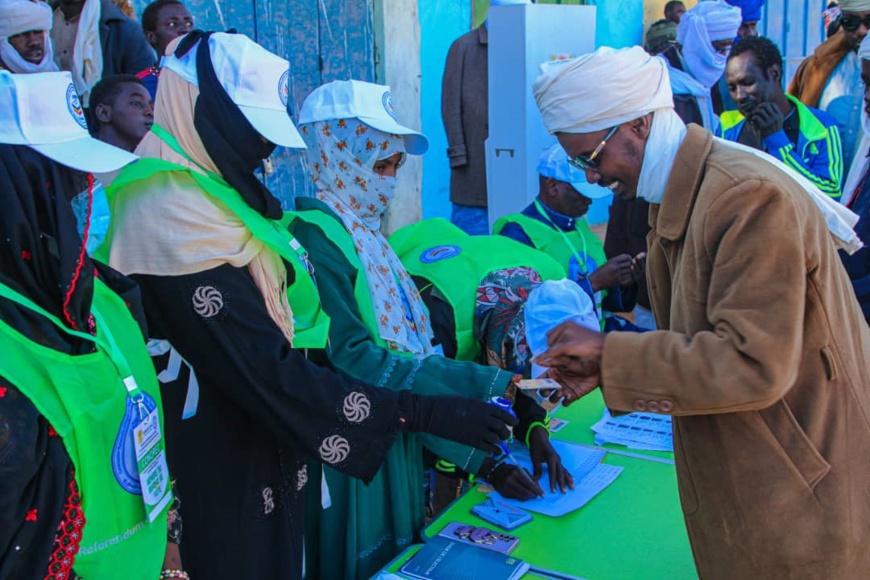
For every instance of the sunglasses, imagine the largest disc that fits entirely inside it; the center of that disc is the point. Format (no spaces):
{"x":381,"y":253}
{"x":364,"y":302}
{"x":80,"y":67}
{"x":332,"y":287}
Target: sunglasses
{"x":586,"y":162}
{"x":851,"y":23}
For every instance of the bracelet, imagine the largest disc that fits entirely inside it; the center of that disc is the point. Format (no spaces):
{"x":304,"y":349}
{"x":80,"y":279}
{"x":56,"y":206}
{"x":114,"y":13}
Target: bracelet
{"x":166,"y":574}
{"x":532,"y":426}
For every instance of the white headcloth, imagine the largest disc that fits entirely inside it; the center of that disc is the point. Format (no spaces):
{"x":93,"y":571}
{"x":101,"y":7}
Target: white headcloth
{"x":596,"y":91}
{"x":698,"y":29}
{"x":854,"y":5}
{"x":17,"y":16}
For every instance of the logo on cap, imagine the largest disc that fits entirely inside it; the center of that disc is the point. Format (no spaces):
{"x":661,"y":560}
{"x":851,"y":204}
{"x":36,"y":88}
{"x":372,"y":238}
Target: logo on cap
{"x":75,"y":106}
{"x":387,"y":99}
{"x":284,"y":87}
{"x":439,"y":253}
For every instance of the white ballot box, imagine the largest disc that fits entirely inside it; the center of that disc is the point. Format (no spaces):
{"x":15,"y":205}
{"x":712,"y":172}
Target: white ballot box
{"x":521,"y":37}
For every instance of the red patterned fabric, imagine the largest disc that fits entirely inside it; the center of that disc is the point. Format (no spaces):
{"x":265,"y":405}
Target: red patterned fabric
{"x":69,"y":536}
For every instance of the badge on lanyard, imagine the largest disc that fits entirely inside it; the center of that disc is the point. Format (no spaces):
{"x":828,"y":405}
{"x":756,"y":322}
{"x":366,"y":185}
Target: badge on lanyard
{"x":150,"y":459}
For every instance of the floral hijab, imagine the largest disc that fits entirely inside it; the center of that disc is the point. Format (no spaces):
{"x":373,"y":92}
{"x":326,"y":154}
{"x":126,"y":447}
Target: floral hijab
{"x":342,"y":154}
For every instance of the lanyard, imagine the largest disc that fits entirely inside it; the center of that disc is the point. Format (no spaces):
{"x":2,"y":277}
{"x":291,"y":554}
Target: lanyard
{"x":105,"y":343}
{"x":580,"y":263}
{"x":581,"y":260}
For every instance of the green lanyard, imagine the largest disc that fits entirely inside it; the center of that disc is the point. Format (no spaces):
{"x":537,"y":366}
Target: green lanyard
{"x":580,"y":263}
{"x":107,"y":343}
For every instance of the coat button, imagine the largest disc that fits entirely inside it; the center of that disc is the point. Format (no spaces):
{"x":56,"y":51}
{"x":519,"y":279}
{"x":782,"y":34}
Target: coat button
{"x":653,"y":406}
{"x":666,"y":406}
{"x":639,"y":405}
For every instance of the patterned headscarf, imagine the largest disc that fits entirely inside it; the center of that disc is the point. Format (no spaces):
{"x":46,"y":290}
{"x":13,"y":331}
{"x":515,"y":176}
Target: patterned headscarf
{"x":342,"y":154}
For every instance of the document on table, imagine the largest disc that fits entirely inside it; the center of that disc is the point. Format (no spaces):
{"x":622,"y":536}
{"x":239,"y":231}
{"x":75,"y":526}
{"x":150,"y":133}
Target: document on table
{"x":590,"y":478}
{"x":647,"y":431}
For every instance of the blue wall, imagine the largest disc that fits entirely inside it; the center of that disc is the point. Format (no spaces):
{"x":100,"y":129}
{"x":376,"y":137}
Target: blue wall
{"x":324,"y":40}
{"x":440,"y":24}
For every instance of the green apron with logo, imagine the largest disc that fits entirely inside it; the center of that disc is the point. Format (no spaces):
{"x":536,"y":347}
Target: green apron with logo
{"x":456,"y":263}
{"x":581,"y":244}
{"x":311,"y":323}
{"x":91,"y":401}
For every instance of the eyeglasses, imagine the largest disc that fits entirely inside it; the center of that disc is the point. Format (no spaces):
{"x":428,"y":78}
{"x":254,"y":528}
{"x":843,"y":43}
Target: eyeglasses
{"x":851,"y":23}
{"x":586,"y":162}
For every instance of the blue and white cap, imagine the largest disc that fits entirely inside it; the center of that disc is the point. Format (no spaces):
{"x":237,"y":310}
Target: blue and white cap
{"x":370,"y":103}
{"x":43,"y":111}
{"x":554,"y":163}
{"x":256,"y":80}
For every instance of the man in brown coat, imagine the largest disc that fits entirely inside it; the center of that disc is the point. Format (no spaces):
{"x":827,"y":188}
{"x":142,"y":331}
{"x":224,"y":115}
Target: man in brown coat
{"x":763,"y":358}
{"x":830,"y":79}
{"x":465,"y":113}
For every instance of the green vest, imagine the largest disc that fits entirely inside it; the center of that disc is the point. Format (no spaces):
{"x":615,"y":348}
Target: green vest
{"x":336,"y":233}
{"x":311,"y":323}
{"x":458,"y":263}
{"x":582,"y":243}
{"x":85,"y":398}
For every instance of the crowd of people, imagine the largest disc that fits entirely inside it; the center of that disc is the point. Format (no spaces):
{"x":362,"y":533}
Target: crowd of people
{"x":198,"y":384}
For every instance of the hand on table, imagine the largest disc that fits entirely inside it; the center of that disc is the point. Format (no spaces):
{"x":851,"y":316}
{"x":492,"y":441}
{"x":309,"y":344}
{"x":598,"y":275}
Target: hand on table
{"x":541,"y":451}
{"x":514,"y":482}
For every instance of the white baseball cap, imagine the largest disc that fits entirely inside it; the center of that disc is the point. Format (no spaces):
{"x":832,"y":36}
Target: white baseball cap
{"x":554,"y":163}
{"x":370,"y":103}
{"x":43,"y":111}
{"x":256,"y":80}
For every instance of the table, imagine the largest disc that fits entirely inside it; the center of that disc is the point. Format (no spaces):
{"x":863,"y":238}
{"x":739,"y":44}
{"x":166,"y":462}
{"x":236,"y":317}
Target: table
{"x":632,"y":530}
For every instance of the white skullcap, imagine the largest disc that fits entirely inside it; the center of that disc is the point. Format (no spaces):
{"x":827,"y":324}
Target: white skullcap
{"x":720,"y":19}
{"x":864,"y":49}
{"x":596,"y":91}
{"x":17,"y":16}
{"x":854,"y":5}
{"x":508,"y":2}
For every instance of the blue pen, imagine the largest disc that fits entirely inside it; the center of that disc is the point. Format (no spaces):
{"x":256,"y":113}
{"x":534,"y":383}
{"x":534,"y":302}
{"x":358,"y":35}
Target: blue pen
{"x":505,"y":446}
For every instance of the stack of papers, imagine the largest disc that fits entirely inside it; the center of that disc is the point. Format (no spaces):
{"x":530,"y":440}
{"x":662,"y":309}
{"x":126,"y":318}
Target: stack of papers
{"x":646,"y":431}
{"x":590,"y":478}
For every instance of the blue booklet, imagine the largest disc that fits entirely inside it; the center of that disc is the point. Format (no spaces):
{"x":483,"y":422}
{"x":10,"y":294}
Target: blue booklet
{"x":443,"y":559}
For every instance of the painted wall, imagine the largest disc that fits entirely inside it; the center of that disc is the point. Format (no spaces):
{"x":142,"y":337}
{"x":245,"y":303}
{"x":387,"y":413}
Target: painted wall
{"x":324,"y":40}
{"x":398,"y":27}
{"x":440,"y":24}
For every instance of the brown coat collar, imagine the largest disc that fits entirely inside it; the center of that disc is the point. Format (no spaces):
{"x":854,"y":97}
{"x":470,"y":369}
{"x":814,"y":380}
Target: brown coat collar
{"x":671,"y":218}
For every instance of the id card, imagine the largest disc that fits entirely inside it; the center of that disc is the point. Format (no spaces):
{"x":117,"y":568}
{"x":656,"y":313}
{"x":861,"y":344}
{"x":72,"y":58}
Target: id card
{"x":540,"y":391}
{"x":151,"y":462}
{"x":501,"y":514}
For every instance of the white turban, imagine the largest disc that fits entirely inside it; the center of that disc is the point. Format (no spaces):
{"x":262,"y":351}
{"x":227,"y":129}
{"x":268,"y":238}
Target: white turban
{"x":698,"y":29}
{"x":17,"y":16}
{"x":596,"y":91}
{"x":854,"y":5}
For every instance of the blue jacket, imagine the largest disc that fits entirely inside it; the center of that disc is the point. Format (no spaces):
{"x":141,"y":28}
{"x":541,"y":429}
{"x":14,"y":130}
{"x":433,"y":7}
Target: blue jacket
{"x":818,"y":154}
{"x":858,"y":264}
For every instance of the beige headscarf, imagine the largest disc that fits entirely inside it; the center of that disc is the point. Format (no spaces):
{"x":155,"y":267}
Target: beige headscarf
{"x":174,"y":228}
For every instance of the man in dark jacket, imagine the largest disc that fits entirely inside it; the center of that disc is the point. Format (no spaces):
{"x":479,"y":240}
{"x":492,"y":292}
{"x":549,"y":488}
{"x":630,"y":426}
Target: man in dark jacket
{"x":465,"y":113}
{"x":124,"y":49}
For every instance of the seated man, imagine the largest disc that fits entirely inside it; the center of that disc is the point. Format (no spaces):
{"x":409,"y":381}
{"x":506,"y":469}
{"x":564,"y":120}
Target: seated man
{"x":554,"y":224}
{"x":25,"y":46}
{"x":804,"y":138}
{"x":162,"y":22}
